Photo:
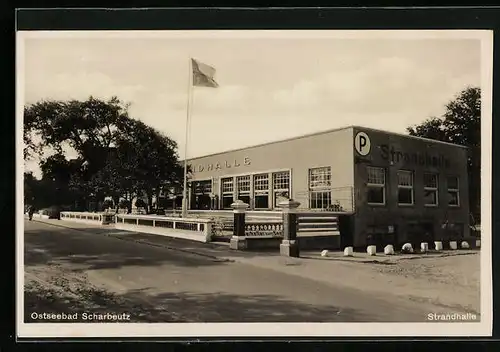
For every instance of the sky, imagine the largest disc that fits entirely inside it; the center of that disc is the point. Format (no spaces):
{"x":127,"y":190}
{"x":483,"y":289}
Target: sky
{"x":271,"y":86}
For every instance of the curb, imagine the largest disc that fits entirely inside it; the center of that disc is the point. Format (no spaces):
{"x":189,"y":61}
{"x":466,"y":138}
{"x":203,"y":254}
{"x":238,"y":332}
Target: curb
{"x":215,"y":258}
{"x":391,"y":261}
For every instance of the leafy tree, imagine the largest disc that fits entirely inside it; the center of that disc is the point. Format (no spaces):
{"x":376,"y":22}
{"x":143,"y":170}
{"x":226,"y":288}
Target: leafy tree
{"x":460,"y":124}
{"x":153,"y":157}
{"x":117,"y":155}
{"x":89,"y":127}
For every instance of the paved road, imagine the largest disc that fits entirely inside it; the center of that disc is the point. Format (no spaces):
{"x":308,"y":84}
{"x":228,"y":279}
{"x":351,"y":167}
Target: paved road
{"x":75,"y":272}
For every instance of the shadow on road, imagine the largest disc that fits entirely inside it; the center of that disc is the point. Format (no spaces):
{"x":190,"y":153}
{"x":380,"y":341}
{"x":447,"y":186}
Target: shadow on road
{"x":106,"y":248}
{"x":90,"y":251}
{"x":180,"y":307}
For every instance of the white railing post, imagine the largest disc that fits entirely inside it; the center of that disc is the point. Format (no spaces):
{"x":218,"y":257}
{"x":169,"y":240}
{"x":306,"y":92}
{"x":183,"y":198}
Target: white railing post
{"x":208,"y":231}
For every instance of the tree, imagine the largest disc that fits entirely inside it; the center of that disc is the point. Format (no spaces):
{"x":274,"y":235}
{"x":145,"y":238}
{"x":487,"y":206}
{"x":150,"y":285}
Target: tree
{"x":460,"y":124}
{"x":117,"y":156}
{"x":153,"y":157}
{"x":89,"y":127}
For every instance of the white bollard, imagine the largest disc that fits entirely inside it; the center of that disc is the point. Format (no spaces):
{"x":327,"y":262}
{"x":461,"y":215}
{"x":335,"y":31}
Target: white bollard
{"x":324,"y":253}
{"x":453,"y":245}
{"x":438,"y":245}
{"x":348,"y":252}
{"x":371,"y":250}
{"x":478,"y":243}
{"x":389,"y":249}
{"x":464,"y":245}
{"x":407,"y":248}
{"x":424,"y":247}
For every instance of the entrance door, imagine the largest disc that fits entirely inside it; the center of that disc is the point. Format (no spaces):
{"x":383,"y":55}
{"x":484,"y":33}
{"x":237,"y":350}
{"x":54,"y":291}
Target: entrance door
{"x":346,"y":229}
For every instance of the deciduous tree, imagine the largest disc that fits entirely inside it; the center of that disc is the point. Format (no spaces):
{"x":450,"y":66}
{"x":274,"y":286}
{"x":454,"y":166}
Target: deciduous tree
{"x":460,"y":124}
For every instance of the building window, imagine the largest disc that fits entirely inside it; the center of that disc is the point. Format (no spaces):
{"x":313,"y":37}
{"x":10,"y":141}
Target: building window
{"x":201,"y":194}
{"x":320,"y":196}
{"x":281,"y":187}
{"x":405,"y":187}
{"x":431,"y":189}
{"x":243,"y":184}
{"x":375,"y":185}
{"x":453,"y":191}
{"x":202,"y":187}
{"x":261,"y":191}
{"x":227,"y":192}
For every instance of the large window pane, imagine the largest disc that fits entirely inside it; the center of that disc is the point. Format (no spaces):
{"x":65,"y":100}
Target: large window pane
{"x":261,"y":201}
{"x":227,"y":201}
{"x":405,"y":196}
{"x":430,"y":197}
{"x":280,"y":197}
{"x":376,"y":176}
{"x":375,"y":195}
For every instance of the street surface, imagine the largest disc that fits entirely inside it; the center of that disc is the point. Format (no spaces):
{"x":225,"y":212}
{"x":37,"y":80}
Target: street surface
{"x":97,"y":275}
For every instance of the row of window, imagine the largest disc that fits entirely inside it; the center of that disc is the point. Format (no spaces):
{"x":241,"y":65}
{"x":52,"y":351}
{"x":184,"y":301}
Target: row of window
{"x":376,"y":188}
{"x":277,"y":185}
{"x":240,"y":188}
{"x":319,"y":189}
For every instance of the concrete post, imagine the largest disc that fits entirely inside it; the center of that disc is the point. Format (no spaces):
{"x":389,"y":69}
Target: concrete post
{"x":238,"y":241}
{"x":438,"y":245}
{"x":289,"y":247}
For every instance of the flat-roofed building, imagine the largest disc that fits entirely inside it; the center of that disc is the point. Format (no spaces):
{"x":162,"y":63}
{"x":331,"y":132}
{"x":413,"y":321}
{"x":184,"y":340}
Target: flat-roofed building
{"x":392,"y":183}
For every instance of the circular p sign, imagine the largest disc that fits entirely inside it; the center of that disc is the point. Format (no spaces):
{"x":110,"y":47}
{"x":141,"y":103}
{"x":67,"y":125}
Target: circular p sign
{"x":362,"y":143}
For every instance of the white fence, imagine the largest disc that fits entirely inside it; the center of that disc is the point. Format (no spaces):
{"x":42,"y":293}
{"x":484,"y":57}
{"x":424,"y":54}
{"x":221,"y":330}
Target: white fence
{"x":93,"y":218}
{"x":40,"y":216}
{"x":193,"y":229}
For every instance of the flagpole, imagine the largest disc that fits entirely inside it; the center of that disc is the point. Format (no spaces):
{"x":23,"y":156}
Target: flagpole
{"x":188,"y":117}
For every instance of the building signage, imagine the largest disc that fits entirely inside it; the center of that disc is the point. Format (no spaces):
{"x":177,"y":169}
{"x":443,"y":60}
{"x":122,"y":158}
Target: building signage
{"x":362,"y":143}
{"x":395,"y":156}
{"x":222,"y":165}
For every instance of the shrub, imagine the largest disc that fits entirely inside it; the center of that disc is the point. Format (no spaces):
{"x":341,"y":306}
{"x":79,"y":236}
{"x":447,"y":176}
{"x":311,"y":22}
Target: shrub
{"x":53,"y":211}
{"x":123,"y":204}
{"x":107,"y":204}
{"x":139,"y":203}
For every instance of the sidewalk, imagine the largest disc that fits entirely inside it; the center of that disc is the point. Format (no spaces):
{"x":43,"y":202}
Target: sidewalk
{"x":220,"y":250}
{"x":448,"y":279}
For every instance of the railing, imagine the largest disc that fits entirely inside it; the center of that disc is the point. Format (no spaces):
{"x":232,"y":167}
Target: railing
{"x":268,"y":229}
{"x":342,"y":200}
{"x":307,"y":222}
{"x":101,"y":218}
{"x":196,"y":229}
{"x":228,"y":214}
{"x":322,"y":222}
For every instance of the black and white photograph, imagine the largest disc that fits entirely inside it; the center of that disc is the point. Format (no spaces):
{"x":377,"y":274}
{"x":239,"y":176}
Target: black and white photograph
{"x":254,"y":183}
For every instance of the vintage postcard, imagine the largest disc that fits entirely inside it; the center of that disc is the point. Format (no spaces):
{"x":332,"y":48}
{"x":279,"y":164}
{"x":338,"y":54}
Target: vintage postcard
{"x":254,"y":183}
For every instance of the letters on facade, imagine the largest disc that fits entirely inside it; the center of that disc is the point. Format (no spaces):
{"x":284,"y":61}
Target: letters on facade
{"x":226,"y":164}
{"x":397,"y":156}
